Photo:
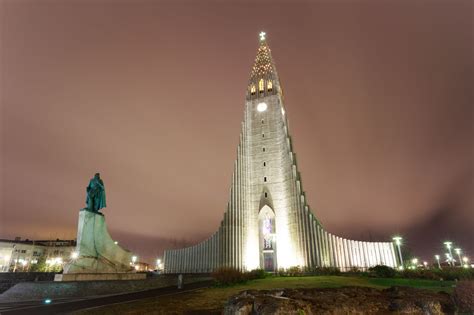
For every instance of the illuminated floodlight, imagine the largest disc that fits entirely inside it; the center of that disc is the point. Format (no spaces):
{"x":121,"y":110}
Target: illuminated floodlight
{"x":425,"y":263}
{"x":398,"y":242}
{"x":458,"y":252}
{"x":74,"y":255}
{"x":116,"y":243}
{"x":414,"y":261}
{"x":134,"y":259}
{"x":261,"y":107}
{"x":448,"y":246}
{"x":47,"y":301}
{"x":437,"y":260}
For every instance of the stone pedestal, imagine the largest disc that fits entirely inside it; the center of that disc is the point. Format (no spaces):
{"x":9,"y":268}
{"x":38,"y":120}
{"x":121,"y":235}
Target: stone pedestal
{"x":98,"y":253}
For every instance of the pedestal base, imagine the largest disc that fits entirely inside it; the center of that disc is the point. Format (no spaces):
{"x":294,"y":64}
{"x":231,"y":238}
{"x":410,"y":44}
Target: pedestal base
{"x":97,"y":251}
{"x":99,"y":276}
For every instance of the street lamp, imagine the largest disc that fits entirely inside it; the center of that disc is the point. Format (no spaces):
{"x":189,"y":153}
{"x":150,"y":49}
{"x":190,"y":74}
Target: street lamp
{"x":465,"y":260}
{"x":398,"y":242}
{"x":437,"y":260}
{"x":448,"y":246}
{"x":414,"y":261}
{"x":458,"y":251}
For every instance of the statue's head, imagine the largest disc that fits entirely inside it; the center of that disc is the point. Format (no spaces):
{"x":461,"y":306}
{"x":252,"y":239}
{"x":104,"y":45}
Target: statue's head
{"x":97,"y":175}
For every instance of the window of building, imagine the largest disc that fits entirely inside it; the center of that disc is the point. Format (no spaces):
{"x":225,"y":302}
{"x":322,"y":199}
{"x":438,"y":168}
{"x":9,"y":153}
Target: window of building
{"x":269,"y":85}
{"x":23,"y":251}
{"x":260,"y":85}
{"x":264,"y":163}
{"x":266,"y":195}
{"x":263,"y":149}
{"x":252,"y":89}
{"x":263,"y":135}
{"x":263,"y":121}
{"x":265,"y":179}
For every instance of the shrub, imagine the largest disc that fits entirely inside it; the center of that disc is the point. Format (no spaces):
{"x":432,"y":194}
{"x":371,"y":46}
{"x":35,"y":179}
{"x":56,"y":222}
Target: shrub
{"x":382,"y":271}
{"x":256,"y":274}
{"x":228,"y":276}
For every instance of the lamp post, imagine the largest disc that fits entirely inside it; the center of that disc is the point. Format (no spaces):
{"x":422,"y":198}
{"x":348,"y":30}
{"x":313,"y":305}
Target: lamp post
{"x":450,"y":257}
{"x":398,"y":242}
{"x":437,"y":260}
{"x":458,"y":251}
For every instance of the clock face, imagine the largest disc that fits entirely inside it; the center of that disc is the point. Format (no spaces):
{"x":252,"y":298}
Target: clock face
{"x":262,"y":107}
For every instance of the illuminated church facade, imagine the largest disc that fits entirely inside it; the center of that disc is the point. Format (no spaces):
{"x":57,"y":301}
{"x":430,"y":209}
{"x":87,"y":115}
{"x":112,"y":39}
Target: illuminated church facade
{"x":268,"y":223}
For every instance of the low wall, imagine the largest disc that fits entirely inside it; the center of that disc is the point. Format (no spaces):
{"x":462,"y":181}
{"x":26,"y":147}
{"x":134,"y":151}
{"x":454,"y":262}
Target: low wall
{"x":9,"y":279}
{"x":27,"y":291}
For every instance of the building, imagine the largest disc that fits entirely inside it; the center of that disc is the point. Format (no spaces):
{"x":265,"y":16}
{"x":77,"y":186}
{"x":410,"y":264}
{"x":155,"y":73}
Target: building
{"x":22,"y":255}
{"x":268,"y":223}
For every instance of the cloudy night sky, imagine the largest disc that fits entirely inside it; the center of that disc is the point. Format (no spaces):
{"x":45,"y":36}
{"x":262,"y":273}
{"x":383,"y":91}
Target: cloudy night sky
{"x":379,"y":97}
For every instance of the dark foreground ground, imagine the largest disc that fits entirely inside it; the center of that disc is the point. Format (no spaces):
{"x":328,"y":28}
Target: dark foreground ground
{"x":302,"y":295}
{"x":213,"y":300}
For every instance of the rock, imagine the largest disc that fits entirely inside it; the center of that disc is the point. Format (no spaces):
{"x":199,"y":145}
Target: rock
{"x":464,"y":296}
{"x":347,"y":300}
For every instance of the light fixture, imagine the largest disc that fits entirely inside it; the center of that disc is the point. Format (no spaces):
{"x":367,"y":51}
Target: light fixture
{"x":261,"y":107}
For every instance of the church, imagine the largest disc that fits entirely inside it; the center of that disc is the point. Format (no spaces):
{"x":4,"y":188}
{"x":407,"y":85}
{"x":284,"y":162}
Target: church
{"x":268,"y":223}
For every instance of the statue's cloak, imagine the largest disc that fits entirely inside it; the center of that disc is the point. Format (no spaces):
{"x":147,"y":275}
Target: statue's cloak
{"x":96,"y":195}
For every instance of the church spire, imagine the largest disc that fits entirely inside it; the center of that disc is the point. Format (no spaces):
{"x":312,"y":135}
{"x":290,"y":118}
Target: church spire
{"x":263,"y":78}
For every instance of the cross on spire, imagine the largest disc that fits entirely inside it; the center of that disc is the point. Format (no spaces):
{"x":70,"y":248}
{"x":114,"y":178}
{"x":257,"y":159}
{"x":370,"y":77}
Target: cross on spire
{"x":262,"y":36}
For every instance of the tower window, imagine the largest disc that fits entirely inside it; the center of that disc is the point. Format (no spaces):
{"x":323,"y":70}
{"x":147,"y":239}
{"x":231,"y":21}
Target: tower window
{"x":265,"y":179}
{"x":261,"y":85}
{"x":263,"y":149}
{"x":252,"y":89}
{"x":269,"y":85}
{"x":263,"y":121}
{"x":266,"y":195}
{"x":264,"y":163}
{"x":263,"y":135}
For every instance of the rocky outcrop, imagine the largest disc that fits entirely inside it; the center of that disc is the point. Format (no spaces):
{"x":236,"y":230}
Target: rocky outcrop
{"x":347,"y":300}
{"x":464,"y":297}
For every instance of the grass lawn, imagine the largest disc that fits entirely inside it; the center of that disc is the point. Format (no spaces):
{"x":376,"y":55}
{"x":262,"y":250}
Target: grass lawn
{"x":212,"y":300}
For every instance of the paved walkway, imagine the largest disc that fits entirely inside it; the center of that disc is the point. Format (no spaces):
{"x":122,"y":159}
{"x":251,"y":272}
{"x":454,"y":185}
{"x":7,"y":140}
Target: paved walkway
{"x":61,"y":306}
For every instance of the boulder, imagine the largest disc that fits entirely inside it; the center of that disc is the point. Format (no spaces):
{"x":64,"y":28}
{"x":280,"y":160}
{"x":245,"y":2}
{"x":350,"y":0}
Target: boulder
{"x":346,"y":300}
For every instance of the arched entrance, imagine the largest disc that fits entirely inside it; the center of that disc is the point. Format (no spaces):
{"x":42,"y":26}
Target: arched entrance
{"x":267,"y":237}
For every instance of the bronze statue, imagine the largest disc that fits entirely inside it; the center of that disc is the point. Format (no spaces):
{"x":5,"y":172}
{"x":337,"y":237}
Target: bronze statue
{"x":95,"y":194}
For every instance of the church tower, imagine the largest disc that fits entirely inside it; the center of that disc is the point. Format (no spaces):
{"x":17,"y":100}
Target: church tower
{"x":268,"y":223}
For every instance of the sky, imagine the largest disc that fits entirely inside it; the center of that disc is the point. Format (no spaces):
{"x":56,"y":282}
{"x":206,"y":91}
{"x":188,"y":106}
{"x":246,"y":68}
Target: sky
{"x":379,"y":97}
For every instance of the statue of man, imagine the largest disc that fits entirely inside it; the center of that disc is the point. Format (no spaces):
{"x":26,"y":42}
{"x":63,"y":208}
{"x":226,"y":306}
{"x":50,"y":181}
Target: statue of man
{"x":95,"y":194}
